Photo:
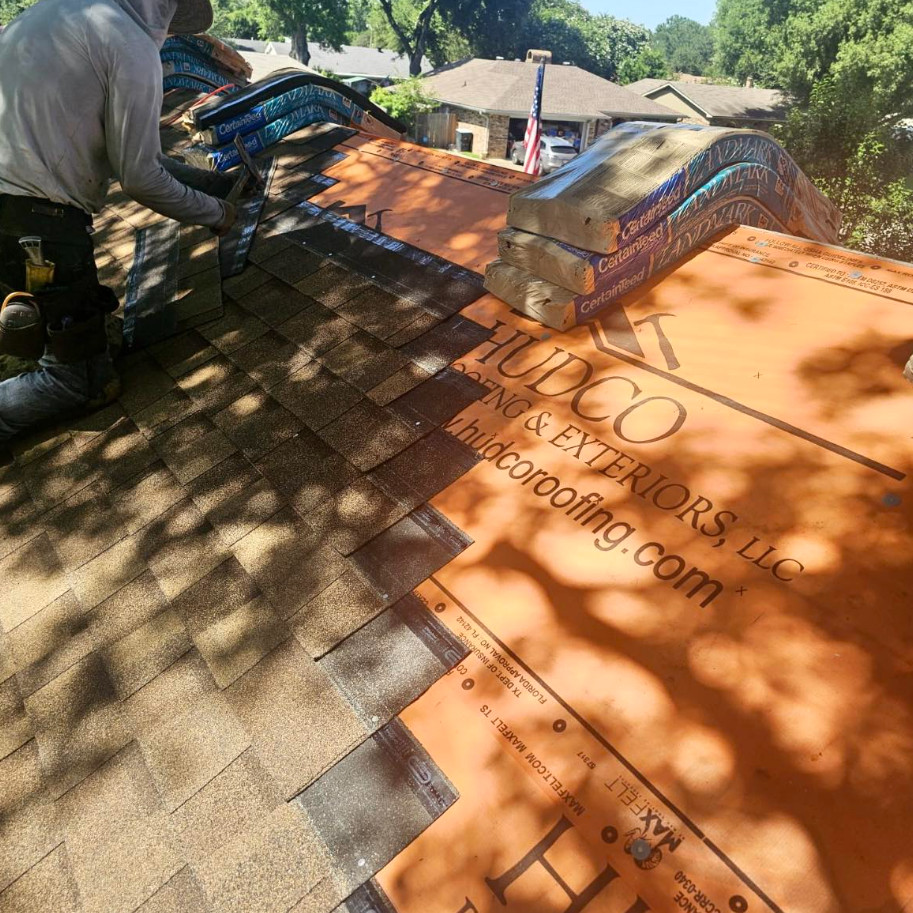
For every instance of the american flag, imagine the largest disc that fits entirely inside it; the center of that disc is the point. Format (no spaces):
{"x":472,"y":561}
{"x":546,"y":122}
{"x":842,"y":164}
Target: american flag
{"x":531,"y":161}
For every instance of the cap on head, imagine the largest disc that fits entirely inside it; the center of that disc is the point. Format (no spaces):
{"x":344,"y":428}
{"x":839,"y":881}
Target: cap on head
{"x":192,"y":17}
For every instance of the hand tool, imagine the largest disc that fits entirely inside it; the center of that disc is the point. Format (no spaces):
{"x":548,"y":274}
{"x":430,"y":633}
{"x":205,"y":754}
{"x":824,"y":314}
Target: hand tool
{"x":31,"y":244}
{"x":251,"y":174}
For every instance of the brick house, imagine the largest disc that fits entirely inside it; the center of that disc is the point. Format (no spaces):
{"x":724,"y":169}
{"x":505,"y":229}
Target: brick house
{"x":720,"y":106}
{"x":492,"y":98}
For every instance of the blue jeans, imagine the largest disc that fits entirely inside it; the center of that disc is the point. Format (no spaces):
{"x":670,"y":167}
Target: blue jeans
{"x":54,"y":391}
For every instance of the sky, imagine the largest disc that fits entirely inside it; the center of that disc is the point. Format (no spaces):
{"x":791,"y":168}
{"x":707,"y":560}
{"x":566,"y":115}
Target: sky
{"x":651,"y":12}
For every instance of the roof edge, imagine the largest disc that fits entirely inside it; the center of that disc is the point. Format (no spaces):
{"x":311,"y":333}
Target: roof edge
{"x":599,"y":115}
{"x":681,"y":95}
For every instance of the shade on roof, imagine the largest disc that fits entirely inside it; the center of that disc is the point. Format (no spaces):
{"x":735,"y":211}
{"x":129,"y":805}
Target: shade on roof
{"x":721,"y":101}
{"x":170,"y":674}
{"x":506,"y":87}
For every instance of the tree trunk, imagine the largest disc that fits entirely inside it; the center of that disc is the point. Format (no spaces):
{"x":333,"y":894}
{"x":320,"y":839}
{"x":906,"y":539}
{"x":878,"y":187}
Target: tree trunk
{"x":420,"y":37}
{"x":300,"y":44}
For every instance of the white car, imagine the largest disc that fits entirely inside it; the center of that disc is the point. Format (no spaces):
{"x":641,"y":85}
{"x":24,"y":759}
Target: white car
{"x":554,"y":151}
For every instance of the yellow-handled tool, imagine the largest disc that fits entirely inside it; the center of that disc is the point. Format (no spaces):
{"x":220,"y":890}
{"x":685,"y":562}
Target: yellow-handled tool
{"x":38,"y":271}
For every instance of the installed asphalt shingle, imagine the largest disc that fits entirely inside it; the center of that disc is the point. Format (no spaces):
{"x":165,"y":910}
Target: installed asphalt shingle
{"x":175,"y":565}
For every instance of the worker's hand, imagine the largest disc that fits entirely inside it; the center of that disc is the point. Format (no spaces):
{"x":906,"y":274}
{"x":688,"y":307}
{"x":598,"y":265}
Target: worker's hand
{"x":231,"y":214}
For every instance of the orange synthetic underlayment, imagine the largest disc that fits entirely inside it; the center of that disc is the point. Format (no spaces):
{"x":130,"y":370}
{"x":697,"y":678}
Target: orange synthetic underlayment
{"x":689,"y":596}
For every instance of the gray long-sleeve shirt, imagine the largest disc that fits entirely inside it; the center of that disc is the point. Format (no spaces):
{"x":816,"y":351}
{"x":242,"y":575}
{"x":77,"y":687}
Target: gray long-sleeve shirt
{"x":80,"y":101}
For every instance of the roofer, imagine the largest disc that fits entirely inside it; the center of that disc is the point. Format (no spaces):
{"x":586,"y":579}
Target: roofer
{"x":80,"y":102}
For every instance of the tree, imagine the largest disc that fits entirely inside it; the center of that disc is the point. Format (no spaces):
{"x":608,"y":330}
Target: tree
{"x":444,"y":41}
{"x":323,"y":21}
{"x":245,"y":19}
{"x":405,"y":101}
{"x":491,"y":28}
{"x":861,"y":162}
{"x":848,"y":65}
{"x":598,"y":43}
{"x":648,"y":64}
{"x":865,"y":45}
{"x":413,"y":24}
{"x":610,"y":43}
{"x":686,"y":45}
{"x":748,"y":38}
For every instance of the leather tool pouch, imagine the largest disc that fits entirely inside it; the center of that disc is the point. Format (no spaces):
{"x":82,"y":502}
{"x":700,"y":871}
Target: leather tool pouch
{"x":75,"y":318}
{"x":24,"y":341}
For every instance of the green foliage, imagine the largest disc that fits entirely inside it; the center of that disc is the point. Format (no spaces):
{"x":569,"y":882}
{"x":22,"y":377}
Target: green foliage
{"x":848,"y":64}
{"x":865,"y":43}
{"x":878,"y":214}
{"x":748,"y":37}
{"x":448,"y":30}
{"x":686,"y":45}
{"x":245,"y":19}
{"x":10,"y":9}
{"x":507,"y":28}
{"x":861,"y":162}
{"x":598,"y":43}
{"x":648,"y":64}
{"x":359,"y":11}
{"x":442,"y":41}
{"x":414,"y":24}
{"x":324,"y":21}
{"x":405,"y":101}
{"x":610,"y":42}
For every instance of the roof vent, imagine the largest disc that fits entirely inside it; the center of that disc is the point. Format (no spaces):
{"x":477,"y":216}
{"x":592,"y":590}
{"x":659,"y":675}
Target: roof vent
{"x":567,"y":63}
{"x":499,"y":58}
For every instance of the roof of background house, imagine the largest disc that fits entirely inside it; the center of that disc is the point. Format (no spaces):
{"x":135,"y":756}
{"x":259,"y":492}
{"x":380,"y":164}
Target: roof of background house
{"x":248,"y":44}
{"x":349,"y":60}
{"x":721,"y":101}
{"x":265,"y":64}
{"x":506,"y":87}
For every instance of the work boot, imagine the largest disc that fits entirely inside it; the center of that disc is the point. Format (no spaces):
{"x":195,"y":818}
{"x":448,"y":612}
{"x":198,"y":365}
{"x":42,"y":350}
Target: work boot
{"x":104,"y":383}
{"x":108,"y":393}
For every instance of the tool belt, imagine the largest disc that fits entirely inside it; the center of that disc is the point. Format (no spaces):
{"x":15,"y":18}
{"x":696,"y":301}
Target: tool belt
{"x":70,"y":323}
{"x":21,"y":211}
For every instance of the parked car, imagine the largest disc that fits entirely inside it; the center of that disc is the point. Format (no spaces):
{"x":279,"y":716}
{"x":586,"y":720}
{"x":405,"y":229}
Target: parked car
{"x":554,"y":151}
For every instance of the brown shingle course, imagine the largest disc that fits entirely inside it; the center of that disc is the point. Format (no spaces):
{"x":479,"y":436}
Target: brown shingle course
{"x":284,"y":701}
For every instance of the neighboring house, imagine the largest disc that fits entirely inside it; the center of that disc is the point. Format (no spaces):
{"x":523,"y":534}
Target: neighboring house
{"x":492,"y":99}
{"x":248,"y":44}
{"x":264,"y":64}
{"x":362,"y":68}
{"x":722,"y":106}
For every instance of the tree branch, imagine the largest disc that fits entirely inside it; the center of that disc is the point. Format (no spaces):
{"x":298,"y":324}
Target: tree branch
{"x":407,"y":43}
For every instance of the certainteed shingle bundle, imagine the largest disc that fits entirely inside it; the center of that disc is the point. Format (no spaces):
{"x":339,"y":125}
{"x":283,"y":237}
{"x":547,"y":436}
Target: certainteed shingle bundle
{"x":638,"y":201}
{"x":271,"y":109}
{"x":202,"y":63}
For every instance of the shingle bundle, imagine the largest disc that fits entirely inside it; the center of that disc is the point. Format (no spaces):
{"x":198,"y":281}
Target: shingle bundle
{"x":271,"y":109}
{"x":202,"y":63}
{"x":636,"y":203}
